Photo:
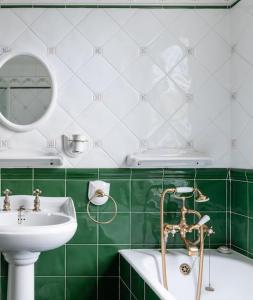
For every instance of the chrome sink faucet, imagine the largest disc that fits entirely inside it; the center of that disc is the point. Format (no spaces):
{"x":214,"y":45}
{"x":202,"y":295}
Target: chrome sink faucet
{"x":37,"y":194}
{"x":6,"y":203}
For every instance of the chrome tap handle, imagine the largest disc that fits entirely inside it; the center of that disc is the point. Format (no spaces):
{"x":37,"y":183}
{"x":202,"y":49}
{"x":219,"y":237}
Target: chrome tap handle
{"x":6,"y":204}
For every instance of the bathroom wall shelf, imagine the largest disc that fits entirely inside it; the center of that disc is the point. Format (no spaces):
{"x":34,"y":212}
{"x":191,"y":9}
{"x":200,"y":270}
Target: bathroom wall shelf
{"x":156,"y":158}
{"x":30,"y":162}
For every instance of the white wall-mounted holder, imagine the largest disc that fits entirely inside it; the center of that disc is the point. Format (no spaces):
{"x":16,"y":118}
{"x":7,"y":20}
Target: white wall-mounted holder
{"x":98,"y":194}
{"x":74,"y":146}
{"x":7,"y":55}
{"x":98,"y":185}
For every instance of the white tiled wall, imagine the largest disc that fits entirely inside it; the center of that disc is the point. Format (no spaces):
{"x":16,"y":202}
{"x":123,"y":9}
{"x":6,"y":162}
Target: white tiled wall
{"x":242,"y":85}
{"x":132,"y":79}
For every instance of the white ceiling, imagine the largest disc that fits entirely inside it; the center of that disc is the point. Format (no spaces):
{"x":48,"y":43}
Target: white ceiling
{"x":122,"y":2}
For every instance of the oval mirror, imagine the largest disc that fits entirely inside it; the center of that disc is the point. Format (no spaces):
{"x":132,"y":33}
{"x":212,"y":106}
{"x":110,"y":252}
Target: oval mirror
{"x":26,"y":92}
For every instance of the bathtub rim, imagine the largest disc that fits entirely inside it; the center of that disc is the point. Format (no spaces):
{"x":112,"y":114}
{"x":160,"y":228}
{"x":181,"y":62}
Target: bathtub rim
{"x":158,"y":289}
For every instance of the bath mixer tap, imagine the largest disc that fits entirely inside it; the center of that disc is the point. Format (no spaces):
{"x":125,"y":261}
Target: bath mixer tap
{"x":183,"y":228}
{"x":37,"y":194}
{"x":6,"y":203}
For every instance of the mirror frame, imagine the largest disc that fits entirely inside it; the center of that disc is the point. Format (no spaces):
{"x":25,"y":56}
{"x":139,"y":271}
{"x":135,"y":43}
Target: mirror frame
{"x":16,"y":127}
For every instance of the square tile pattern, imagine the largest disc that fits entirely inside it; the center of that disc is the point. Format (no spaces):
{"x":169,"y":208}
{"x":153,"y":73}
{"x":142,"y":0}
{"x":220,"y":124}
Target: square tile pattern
{"x":132,"y":286}
{"x":242,"y":211}
{"x":131,"y":79}
{"x":88,"y":266}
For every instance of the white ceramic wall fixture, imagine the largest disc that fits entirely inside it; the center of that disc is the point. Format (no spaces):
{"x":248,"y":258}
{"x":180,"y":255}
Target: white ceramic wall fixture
{"x":22,"y":240}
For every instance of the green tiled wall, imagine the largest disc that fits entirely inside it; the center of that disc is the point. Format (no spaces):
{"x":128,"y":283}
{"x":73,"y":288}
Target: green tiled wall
{"x":242,"y":211}
{"x":132,"y":286}
{"x":87,"y":267}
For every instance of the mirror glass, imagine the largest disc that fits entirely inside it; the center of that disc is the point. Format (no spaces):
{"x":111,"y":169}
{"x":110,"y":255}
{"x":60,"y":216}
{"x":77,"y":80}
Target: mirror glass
{"x":25,"y":89}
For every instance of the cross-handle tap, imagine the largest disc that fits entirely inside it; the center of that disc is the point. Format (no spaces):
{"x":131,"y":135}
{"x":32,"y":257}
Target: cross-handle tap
{"x":6,"y":203}
{"x":37,"y":194}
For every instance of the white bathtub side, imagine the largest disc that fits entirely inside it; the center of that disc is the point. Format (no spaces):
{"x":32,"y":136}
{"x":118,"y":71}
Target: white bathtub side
{"x":147,"y":264}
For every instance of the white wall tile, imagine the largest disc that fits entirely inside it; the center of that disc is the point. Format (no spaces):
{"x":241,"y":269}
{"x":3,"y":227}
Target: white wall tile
{"x":131,"y":79}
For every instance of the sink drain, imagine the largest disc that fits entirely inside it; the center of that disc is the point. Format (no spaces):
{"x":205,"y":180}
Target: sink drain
{"x":185,"y":269}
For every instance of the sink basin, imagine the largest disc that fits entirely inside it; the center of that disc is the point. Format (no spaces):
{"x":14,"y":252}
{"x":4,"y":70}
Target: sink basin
{"x":50,"y":228}
{"x":23,"y":235}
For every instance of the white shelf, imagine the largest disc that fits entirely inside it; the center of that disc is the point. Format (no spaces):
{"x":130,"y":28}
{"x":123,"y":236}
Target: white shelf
{"x":30,"y":162}
{"x":168,"y":158}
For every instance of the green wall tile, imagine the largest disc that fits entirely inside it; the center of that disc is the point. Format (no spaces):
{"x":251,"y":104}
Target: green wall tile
{"x":238,"y":174}
{"x":239,"y":197}
{"x":4,"y":266}
{"x":45,"y":267}
{"x":137,"y":285}
{"x":216,"y":191}
{"x":114,"y":174}
{"x":143,"y":188}
{"x":239,"y":233}
{"x":145,"y":228}
{"x":17,"y":186}
{"x":124,"y":291}
{"x":3,"y":288}
{"x":120,"y":191}
{"x":108,"y":259}
{"x":86,"y":230}
{"x":212,"y":173}
{"x":16,"y":173}
{"x":78,"y":191}
{"x":125,"y":270}
{"x":108,"y":288}
{"x":117,"y":232}
{"x":84,"y":288}
{"x":218,"y":222}
{"x":49,"y":173}
{"x":50,"y":188}
{"x":180,"y":173}
{"x":81,"y":260}
{"x":150,"y":294}
{"x":48,"y":288}
{"x":82,"y":174}
{"x":250,"y":235}
{"x":146,"y":195}
{"x":250,"y":200}
{"x":249,"y":174}
{"x":147,"y":173}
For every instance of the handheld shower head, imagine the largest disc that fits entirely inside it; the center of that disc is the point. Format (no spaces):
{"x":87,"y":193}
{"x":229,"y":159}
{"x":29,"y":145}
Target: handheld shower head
{"x":201,"y":197}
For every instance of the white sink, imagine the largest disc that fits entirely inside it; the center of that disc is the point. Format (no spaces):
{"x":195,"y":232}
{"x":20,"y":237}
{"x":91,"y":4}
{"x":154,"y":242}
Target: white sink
{"x":22,"y":239}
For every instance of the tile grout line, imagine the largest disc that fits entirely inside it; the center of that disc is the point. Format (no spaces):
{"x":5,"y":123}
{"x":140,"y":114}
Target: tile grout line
{"x":1,"y":252}
{"x":97,"y":228}
{"x":226,"y":212}
{"x":65,"y":246}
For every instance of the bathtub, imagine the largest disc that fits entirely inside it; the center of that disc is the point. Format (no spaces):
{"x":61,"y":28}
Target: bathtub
{"x":231,"y":274}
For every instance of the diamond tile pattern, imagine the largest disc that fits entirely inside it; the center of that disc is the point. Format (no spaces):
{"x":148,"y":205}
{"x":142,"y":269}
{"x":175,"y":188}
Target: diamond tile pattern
{"x":242,"y":76}
{"x":135,"y":78}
